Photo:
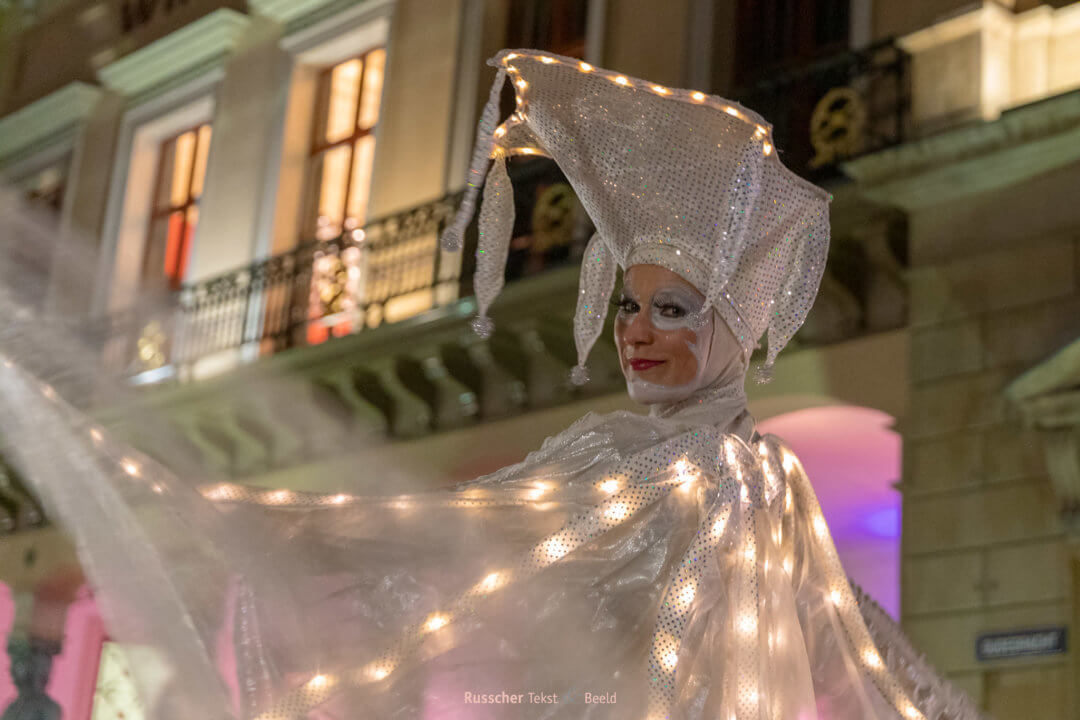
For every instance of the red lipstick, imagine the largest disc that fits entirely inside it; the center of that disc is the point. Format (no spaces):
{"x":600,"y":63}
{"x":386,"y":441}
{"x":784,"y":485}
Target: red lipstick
{"x":640,"y":364}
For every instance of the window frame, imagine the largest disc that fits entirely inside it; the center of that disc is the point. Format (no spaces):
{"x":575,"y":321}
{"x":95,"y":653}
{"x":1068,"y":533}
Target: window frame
{"x":156,"y":214}
{"x":319,"y":147}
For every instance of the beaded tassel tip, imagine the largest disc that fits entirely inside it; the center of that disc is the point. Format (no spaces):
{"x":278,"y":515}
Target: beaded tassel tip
{"x":595,"y":286}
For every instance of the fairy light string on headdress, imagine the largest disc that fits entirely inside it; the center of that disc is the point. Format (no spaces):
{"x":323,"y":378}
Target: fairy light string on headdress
{"x":677,"y":178}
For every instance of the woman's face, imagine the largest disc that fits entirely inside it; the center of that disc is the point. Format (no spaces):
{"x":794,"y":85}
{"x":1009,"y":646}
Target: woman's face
{"x":657,"y":347}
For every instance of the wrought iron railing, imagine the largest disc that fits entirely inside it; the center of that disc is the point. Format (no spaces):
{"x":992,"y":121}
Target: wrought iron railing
{"x":389,"y":269}
{"x":838,"y":108}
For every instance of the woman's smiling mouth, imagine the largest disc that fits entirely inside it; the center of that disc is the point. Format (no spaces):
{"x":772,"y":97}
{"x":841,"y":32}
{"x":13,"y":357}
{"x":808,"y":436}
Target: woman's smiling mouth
{"x":640,"y":364}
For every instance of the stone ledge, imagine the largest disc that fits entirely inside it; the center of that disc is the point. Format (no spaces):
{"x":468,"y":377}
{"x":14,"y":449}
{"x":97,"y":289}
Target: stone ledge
{"x":975,"y":158}
{"x":47,"y":118}
{"x":197,"y":46}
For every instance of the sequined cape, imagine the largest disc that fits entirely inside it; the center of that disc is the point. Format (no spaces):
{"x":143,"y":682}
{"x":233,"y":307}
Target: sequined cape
{"x":632,"y":567}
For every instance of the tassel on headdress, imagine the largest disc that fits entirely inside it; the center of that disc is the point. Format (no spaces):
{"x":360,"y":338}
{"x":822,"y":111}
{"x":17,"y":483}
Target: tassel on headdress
{"x":453,"y":236}
{"x":594,"y":289}
{"x":496,"y":226}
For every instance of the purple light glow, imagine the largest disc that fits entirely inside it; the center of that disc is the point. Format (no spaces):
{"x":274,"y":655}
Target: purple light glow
{"x":853,"y":457}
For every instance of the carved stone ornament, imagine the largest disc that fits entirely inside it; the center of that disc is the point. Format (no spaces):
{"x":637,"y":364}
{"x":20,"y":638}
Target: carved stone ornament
{"x":1047,"y":399}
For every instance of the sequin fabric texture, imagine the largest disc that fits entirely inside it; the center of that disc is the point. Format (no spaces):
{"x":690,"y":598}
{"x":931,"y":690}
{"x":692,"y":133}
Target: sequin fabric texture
{"x":681,"y":570}
{"x":677,"y":178}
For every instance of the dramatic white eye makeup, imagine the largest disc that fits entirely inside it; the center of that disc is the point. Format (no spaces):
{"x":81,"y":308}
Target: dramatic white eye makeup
{"x":661,"y":354}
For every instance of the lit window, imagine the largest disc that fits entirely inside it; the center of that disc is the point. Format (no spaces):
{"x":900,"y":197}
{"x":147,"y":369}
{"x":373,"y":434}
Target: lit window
{"x":175,"y":209}
{"x":558,"y":26}
{"x":344,"y":145}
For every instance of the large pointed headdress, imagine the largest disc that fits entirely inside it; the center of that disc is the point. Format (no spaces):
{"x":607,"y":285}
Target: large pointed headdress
{"x":669,"y":177}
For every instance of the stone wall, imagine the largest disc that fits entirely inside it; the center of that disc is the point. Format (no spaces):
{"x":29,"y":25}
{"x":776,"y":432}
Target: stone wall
{"x":994,"y":290}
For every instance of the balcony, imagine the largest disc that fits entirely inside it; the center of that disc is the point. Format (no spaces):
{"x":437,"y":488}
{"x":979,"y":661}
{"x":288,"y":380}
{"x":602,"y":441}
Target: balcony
{"x":837,"y":108}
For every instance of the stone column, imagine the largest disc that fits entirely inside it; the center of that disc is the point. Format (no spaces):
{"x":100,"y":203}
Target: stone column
{"x":994,"y":288}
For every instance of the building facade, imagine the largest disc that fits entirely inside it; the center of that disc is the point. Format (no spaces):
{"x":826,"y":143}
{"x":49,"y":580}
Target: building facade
{"x":261,"y":183}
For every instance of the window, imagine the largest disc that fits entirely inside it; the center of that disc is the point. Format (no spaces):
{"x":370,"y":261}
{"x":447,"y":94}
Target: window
{"x":554,"y":25}
{"x":175,"y":211}
{"x":776,"y":35}
{"x":344,"y":145}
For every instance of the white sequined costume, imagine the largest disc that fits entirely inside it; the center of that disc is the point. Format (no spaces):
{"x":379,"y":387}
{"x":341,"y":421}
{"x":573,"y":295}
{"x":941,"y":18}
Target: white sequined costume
{"x":675,"y":565}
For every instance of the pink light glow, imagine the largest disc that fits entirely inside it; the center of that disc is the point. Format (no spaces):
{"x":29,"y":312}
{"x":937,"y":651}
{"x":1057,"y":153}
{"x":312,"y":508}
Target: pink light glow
{"x":853,"y":457}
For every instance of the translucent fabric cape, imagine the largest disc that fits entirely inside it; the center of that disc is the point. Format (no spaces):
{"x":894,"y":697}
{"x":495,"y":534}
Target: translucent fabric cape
{"x":632,"y":567}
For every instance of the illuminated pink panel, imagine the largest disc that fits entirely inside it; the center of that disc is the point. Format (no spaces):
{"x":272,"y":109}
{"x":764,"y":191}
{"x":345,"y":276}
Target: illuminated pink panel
{"x":74,"y":670}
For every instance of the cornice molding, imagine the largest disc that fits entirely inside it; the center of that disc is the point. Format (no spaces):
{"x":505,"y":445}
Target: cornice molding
{"x":1022,"y":143}
{"x":300,"y":15}
{"x":47,"y":118}
{"x":1057,"y":375}
{"x":989,"y":17}
{"x":198,"y":46}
